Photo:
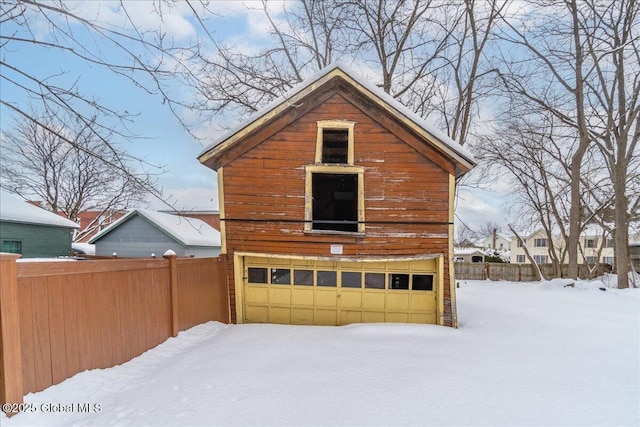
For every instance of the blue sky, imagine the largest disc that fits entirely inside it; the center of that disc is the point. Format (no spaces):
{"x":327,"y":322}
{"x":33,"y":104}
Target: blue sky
{"x":187,"y":183}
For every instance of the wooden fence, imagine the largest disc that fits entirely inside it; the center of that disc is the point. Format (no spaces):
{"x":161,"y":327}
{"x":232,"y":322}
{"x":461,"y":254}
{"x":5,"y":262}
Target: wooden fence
{"x":515,"y":272}
{"x":61,"y":318}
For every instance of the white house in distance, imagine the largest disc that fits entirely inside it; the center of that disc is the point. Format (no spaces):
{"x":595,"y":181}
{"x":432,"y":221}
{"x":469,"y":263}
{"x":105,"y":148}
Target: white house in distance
{"x":141,"y":233}
{"x":591,"y":243}
{"x":468,"y":255}
{"x":497,"y":241}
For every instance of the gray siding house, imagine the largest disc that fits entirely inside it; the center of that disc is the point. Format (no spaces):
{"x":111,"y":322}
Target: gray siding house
{"x":141,"y":233}
{"x":32,"y":231}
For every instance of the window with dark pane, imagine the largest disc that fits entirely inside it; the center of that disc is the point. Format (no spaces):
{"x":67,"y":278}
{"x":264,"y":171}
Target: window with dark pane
{"x":12,"y":246}
{"x":374,"y":280}
{"x":351,"y":279}
{"x":280,"y":276}
{"x":399,"y":281}
{"x":335,"y":201}
{"x":335,"y":145}
{"x":303,"y":277}
{"x":327,"y":278}
{"x":422,"y":282}
{"x":257,"y":275}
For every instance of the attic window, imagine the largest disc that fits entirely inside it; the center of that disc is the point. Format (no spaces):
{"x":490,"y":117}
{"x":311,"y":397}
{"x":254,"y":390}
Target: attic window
{"x":335,"y":146}
{"x":334,"y":143}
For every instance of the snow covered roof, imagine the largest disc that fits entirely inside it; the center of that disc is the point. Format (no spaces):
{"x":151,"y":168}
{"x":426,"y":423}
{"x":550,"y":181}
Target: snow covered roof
{"x":439,"y":139}
{"x":187,"y":231}
{"x":14,"y":209}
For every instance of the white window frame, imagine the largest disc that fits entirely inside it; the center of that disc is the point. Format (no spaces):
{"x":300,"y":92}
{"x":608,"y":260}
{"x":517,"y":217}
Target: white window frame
{"x":541,"y":259}
{"x":334,"y":124}
{"x":540,"y":240}
{"x":308,"y":196}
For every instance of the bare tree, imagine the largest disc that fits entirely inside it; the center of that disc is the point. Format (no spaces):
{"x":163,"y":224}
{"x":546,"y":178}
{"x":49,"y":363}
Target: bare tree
{"x":465,"y":77}
{"x":465,"y":236}
{"x":615,"y":40}
{"x":404,"y":39}
{"x":145,"y":58}
{"x":570,"y":64}
{"x":536,"y":159}
{"x":307,"y":37}
{"x":38,"y":162}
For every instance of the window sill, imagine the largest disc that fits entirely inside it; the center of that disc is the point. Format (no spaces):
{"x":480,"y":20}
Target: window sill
{"x":336,"y":233}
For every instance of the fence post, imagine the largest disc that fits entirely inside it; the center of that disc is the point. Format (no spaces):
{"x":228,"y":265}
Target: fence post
{"x":11,"y":386}
{"x":173,"y":283}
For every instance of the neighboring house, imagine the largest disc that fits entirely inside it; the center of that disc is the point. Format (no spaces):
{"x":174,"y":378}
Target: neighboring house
{"x":596,"y":245}
{"x":497,"y":241}
{"x":336,"y":207}
{"x":92,"y":222}
{"x":537,"y":244}
{"x":141,"y":233}
{"x":32,"y":231}
{"x":468,"y":255}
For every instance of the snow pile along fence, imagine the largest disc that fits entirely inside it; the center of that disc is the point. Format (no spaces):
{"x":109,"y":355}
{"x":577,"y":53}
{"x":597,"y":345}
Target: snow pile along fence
{"x":58,"y":319}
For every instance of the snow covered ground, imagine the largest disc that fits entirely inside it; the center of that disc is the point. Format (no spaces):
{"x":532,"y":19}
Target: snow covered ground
{"x":525,"y":354}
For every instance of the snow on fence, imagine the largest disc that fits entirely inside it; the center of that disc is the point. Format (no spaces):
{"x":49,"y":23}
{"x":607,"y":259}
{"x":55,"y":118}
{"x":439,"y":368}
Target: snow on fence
{"x":61,"y":318}
{"x":515,"y":272}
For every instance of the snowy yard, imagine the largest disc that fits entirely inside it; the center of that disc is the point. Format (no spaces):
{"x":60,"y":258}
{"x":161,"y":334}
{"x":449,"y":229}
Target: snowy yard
{"x":525,"y":354}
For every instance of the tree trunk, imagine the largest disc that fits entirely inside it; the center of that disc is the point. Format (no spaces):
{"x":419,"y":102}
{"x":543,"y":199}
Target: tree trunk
{"x":621,"y":237}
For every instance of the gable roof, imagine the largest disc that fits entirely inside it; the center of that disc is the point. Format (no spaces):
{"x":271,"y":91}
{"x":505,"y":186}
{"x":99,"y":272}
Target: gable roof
{"x":439,"y":140}
{"x":14,"y":209}
{"x":185,"y":230}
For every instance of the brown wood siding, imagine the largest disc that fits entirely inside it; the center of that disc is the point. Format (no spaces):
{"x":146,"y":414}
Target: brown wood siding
{"x":406,"y":193}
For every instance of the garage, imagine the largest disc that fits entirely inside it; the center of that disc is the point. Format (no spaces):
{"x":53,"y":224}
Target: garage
{"x":326,"y":291}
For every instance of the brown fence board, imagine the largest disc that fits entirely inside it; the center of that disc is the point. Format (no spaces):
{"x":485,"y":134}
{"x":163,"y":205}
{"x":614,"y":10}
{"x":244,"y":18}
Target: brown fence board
{"x":56,"y":329}
{"x":71,"y":328}
{"x":41,"y":335}
{"x":25,"y":299}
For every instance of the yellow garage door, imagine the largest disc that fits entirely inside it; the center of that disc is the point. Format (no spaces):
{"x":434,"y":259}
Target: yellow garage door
{"x":325,"y":292}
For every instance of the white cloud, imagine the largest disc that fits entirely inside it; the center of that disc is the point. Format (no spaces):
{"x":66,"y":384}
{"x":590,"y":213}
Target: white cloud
{"x":475,"y":207}
{"x":170,"y":18}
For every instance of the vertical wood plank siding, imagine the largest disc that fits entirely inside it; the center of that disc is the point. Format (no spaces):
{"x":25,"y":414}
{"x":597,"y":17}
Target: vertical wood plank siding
{"x":406,"y":191}
{"x":84,"y":315}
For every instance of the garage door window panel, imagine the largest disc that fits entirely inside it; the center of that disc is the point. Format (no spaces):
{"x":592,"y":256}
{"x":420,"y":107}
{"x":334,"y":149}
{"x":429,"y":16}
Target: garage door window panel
{"x":399,"y":281}
{"x":280,"y":276}
{"x":257,"y":275}
{"x":374,"y":280}
{"x":422,"y":282}
{"x":303,"y":277}
{"x":351,"y":279}
{"x":327,"y":278}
